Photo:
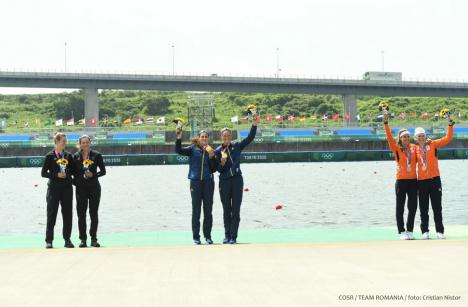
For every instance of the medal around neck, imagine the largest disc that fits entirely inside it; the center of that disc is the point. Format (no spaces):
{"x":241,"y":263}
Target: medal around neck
{"x":224,"y":153}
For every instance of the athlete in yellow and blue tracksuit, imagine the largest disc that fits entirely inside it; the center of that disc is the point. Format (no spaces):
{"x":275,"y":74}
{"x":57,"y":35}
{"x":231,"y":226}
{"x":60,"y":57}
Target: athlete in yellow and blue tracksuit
{"x":201,"y":169}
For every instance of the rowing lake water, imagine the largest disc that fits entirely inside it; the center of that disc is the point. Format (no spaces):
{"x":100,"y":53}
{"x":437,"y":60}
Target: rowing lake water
{"x":154,"y":198}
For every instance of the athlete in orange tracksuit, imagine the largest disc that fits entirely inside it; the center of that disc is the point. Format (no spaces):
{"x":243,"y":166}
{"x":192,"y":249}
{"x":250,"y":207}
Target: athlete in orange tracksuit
{"x":406,"y":179}
{"x":429,"y":184}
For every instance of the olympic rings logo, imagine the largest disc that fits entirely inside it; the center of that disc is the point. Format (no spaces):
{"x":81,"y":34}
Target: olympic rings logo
{"x":328,"y":155}
{"x":35,"y":161}
{"x":182,"y":158}
{"x":4,"y":145}
{"x":258,"y":140}
{"x":346,"y":138}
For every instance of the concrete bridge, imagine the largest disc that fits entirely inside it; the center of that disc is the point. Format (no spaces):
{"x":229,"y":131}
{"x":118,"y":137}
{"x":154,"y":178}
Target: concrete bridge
{"x":349,"y":89}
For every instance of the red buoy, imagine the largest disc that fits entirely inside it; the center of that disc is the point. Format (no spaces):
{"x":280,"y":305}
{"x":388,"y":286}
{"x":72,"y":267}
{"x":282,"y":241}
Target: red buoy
{"x":278,"y":207}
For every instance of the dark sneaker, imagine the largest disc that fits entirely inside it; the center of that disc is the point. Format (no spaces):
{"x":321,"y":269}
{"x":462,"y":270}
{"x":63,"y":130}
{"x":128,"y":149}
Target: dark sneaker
{"x":232,"y":241}
{"x":196,"y":241}
{"x":209,"y":241}
{"x":69,"y":244}
{"x":225,"y":241}
{"x":83,"y":244}
{"x":49,"y":245}
{"x":94,"y":243}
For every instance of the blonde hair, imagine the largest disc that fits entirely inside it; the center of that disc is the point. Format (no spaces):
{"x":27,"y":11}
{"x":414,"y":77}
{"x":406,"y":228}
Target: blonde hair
{"x":59,"y":136}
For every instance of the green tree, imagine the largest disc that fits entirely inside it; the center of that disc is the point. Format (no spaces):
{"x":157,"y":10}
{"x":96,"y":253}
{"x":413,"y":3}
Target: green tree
{"x":156,"y":105}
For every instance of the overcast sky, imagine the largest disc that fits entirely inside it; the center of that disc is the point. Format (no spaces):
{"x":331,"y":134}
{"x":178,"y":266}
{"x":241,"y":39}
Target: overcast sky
{"x":424,"y":39}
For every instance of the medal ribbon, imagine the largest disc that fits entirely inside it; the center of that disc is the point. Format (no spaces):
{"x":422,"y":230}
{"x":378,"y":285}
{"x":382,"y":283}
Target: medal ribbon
{"x":58,"y":155}
{"x":408,"y":157}
{"x":424,"y":155}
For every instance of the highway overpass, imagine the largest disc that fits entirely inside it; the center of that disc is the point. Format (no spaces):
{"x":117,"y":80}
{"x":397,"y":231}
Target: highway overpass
{"x":349,"y":89}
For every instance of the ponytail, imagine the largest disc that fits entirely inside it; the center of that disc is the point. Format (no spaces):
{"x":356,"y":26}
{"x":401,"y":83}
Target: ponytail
{"x":194,"y":141}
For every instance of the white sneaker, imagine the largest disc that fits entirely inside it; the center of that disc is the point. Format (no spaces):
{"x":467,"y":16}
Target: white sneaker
{"x":440,"y":236}
{"x":410,"y":235}
{"x":404,"y":236}
{"x":425,"y":236}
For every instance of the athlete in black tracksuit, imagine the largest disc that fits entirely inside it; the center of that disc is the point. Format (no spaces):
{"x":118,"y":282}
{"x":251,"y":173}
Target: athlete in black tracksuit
{"x":231,"y":183}
{"x":201,"y":169}
{"x":88,"y":191}
{"x":59,"y":191}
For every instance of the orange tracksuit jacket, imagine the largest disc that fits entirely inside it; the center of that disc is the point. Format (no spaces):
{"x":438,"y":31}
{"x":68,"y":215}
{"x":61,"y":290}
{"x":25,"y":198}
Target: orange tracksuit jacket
{"x":401,"y":157}
{"x":432,"y":162}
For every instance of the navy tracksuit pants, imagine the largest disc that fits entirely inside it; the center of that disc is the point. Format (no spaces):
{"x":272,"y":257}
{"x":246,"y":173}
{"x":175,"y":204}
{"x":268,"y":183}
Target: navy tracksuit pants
{"x":230,"y":191}
{"x":202,"y":192}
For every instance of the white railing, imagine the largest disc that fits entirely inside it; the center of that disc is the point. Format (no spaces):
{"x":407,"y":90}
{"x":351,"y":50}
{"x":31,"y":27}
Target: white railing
{"x":180,"y":74}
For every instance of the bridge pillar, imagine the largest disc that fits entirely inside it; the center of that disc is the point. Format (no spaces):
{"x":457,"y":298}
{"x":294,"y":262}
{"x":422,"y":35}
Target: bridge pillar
{"x":91,"y":107}
{"x":349,"y":102}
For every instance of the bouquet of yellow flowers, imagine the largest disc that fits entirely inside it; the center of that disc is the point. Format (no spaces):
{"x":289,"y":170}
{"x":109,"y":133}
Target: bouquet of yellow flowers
{"x":63,"y":164}
{"x":179,"y":121}
{"x":252,"y":109}
{"x":383,"y":106}
{"x":86,"y":164}
{"x":445,"y":112}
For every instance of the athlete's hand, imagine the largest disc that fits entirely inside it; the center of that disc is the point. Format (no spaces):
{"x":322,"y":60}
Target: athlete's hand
{"x":89,"y":174}
{"x":62,"y":175}
{"x":223,"y":161}
{"x":254,"y":120}
{"x":211,"y":154}
{"x":449,"y":119}
{"x":385,"y":117}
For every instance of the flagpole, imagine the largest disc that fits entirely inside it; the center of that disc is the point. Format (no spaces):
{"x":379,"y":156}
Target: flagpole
{"x":65,"y":57}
